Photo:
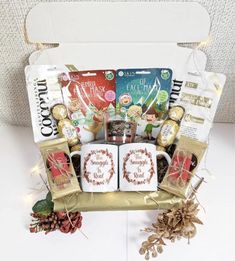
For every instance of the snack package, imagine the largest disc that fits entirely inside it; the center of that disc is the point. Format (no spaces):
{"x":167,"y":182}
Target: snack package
{"x":60,"y":172}
{"x":143,"y":95}
{"x":66,"y":128}
{"x":199,"y":95}
{"x":170,"y":127}
{"x":185,"y":161}
{"x":43,"y":92}
{"x":88,"y":95}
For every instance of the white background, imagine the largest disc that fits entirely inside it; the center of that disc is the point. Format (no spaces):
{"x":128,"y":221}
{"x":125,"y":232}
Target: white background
{"x":114,"y":236}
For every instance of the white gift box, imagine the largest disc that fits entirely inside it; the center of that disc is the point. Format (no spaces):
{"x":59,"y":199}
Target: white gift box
{"x":112,"y":35}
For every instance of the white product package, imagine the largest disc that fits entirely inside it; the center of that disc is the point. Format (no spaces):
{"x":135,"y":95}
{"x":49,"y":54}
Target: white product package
{"x":43,"y":92}
{"x":200,"y":95}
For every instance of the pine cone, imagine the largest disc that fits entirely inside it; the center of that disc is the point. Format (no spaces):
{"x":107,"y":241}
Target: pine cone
{"x":56,"y":220}
{"x":72,"y":223}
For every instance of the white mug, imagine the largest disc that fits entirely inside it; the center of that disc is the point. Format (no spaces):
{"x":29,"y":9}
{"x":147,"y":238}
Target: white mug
{"x":138,"y":167}
{"x":99,"y":168}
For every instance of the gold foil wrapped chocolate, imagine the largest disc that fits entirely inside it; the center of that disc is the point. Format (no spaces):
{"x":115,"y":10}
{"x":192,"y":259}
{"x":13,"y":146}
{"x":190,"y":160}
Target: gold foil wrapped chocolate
{"x":67,"y":130}
{"x":160,"y":148}
{"x":76,"y":148}
{"x":60,"y":172}
{"x":65,"y":126}
{"x":176,"y":113}
{"x":170,"y":127}
{"x":59,"y":112}
{"x":167,"y":133}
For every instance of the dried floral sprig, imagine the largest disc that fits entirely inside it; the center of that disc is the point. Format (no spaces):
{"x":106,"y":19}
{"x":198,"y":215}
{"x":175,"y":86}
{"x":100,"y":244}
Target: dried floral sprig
{"x":171,"y":225}
{"x":45,"y":219}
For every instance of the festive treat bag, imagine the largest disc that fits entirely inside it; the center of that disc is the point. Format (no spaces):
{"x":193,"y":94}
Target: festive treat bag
{"x":88,"y":95}
{"x":143,"y":95}
{"x":184,"y":164}
{"x":60,"y":171}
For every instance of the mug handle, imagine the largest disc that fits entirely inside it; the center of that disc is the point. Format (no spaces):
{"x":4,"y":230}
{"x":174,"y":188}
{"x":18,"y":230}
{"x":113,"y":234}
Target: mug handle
{"x":77,"y":152}
{"x":165,"y":155}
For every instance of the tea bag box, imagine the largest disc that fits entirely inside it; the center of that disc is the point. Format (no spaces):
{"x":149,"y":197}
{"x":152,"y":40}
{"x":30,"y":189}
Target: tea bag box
{"x":112,"y":35}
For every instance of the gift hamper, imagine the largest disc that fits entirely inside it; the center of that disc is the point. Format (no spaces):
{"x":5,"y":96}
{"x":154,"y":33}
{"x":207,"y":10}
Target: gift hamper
{"x":121,"y":120}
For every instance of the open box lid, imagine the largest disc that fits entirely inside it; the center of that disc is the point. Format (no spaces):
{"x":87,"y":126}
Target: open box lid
{"x":114,"y":35}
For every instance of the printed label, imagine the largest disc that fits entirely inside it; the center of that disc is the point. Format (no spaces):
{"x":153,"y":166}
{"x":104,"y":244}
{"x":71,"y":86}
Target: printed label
{"x":196,"y":100}
{"x":175,"y":92}
{"x":193,"y":85}
{"x":98,"y":167}
{"x":167,"y":131}
{"x":46,"y":123}
{"x":69,"y":132}
{"x":138,"y":167}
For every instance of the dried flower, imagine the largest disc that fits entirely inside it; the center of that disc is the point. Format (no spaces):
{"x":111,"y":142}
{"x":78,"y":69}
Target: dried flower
{"x":171,"y":225}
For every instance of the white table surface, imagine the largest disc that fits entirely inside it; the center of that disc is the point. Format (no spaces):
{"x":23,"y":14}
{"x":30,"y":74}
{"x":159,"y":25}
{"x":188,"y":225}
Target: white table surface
{"x":114,"y":236}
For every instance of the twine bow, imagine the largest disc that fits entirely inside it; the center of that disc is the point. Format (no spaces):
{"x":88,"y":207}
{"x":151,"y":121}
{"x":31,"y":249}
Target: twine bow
{"x":62,"y":173}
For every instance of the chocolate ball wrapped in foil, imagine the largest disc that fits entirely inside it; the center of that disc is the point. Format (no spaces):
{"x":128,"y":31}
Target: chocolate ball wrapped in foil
{"x":59,"y":112}
{"x":67,"y":130}
{"x":170,"y":127}
{"x":76,"y":148}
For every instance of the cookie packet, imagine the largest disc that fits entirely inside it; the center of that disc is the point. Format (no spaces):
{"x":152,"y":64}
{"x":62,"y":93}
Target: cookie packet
{"x":60,"y":172}
{"x":87,"y":96}
{"x":200,"y":95}
{"x":44,"y":91}
{"x":143,"y":95}
{"x":185,"y":161}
